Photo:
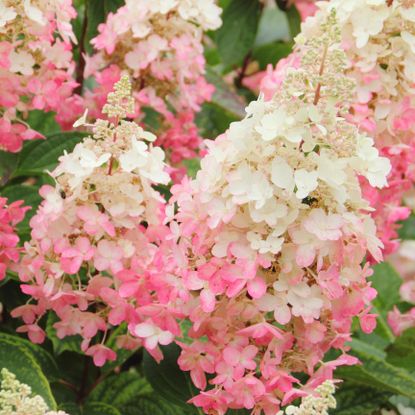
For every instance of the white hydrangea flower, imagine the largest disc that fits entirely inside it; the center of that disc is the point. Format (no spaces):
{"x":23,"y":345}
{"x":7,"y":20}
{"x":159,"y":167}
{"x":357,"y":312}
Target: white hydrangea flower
{"x":80,"y":163}
{"x":136,"y":157}
{"x":33,"y":13}
{"x":7,"y":14}
{"x":306,"y":182}
{"x":21,"y":62}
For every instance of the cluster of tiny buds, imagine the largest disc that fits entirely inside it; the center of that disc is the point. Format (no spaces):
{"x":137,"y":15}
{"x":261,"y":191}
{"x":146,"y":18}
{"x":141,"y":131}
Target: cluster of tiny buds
{"x":120,"y":103}
{"x":16,"y":398}
{"x":317,"y":403}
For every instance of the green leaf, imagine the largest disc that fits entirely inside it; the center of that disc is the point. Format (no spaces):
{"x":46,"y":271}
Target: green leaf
{"x":167,"y":379}
{"x":192,"y":166}
{"x":363,"y":347}
{"x":402,"y":352}
{"x":42,"y":357}
{"x":131,"y":394}
{"x":237,"y":35}
{"x":271,"y":53}
{"x":121,"y":389}
{"x":69,"y":343}
{"x":153,"y":405}
{"x":70,"y":408}
{"x":8,"y":162}
{"x":100,"y":408}
{"x":41,"y":155}
{"x":387,"y":282}
{"x":294,"y":21}
{"x":353,"y":399}
{"x":407,"y":230}
{"x":44,"y":122}
{"x":213,"y":120}
{"x":375,"y":372}
{"x":225,"y":97}
{"x":273,"y":26}
{"x":19,"y":360}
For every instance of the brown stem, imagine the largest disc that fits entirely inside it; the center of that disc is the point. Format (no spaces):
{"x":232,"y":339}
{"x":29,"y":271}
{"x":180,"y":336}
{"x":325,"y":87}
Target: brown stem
{"x":112,"y":157}
{"x":320,"y":72}
{"x":242,"y":73}
{"x":80,"y":69}
{"x":67,"y":384}
{"x":389,"y":2}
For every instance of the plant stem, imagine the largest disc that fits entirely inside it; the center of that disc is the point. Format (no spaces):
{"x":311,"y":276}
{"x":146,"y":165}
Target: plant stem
{"x":318,"y":89}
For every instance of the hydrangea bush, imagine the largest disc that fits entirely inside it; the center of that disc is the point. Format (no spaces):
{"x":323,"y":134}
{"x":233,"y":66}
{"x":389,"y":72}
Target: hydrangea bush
{"x":206,"y":207}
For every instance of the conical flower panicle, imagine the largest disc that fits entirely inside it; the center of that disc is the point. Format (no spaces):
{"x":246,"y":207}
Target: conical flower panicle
{"x":94,"y":241}
{"x":273,"y":232}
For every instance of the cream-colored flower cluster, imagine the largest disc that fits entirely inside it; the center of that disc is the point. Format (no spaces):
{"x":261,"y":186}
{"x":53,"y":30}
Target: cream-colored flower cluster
{"x":317,"y":403}
{"x":16,"y":398}
{"x":116,"y":167}
{"x":293,"y":160}
{"x":379,"y":38}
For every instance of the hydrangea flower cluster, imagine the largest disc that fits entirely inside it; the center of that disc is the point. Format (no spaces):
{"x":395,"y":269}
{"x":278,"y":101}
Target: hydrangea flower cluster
{"x":35,"y":65}
{"x":273,"y":232}
{"x":159,"y":43}
{"x":16,"y":398}
{"x":10,"y":216}
{"x":93,"y":257}
{"x":315,"y":404}
{"x":378,"y":37}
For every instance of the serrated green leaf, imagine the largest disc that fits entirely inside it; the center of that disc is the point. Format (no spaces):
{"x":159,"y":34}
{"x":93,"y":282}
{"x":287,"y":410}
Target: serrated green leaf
{"x":131,"y":394}
{"x":8,"y":163}
{"x":364,"y":347}
{"x":237,"y":35}
{"x":153,"y":405}
{"x":44,"y":122}
{"x":19,"y":360}
{"x":121,"y":389}
{"x":41,"y":155}
{"x":375,"y":372}
{"x":69,"y":343}
{"x":387,"y":282}
{"x":42,"y":357}
{"x":100,"y":408}
{"x":167,"y":379}
{"x":353,"y":399}
{"x":402,"y":352}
